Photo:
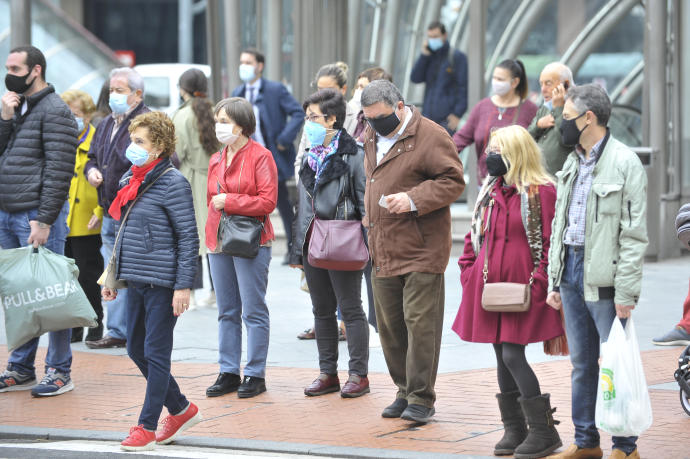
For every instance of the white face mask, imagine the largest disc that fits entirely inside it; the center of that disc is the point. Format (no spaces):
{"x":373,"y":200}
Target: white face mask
{"x":224,"y":133}
{"x":357,"y":96}
{"x":500,"y":88}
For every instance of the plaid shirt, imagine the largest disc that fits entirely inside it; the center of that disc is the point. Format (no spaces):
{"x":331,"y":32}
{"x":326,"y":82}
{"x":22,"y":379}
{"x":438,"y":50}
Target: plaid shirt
{"x":577,"y":210}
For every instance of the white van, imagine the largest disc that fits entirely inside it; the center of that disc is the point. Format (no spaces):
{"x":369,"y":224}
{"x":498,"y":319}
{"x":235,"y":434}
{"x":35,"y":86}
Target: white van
{"x":160,"y":84}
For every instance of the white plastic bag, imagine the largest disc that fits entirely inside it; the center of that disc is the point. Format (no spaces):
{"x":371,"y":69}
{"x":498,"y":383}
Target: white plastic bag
{"x":623,"y":406}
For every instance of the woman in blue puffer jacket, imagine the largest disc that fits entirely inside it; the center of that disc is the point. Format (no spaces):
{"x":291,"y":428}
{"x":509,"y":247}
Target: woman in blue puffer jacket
{"x":156,"y":253}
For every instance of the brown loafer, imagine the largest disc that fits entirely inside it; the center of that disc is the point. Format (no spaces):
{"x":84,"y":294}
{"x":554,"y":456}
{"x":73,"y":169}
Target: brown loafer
{"x":575,"y":452}
{"x":106,"y":342}
{"x":324,"y":384}
{"x":356,"y":386}
{"x":307,"y":334}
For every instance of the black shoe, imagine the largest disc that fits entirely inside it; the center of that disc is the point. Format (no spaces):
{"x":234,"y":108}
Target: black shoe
{"x":77,"y":335}
{"x":395,"y":409}
{"x":251,"y":387}
{"x":225,"y":383}
{"x":95,"y":333}
{"x":417,"y":413}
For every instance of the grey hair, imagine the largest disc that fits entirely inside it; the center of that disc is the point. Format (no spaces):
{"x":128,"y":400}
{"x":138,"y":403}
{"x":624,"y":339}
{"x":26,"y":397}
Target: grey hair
{"x":381,"y":91}
{"x":566,"y":74}
{"x":134,"y":80}
{"x":591,"y":97}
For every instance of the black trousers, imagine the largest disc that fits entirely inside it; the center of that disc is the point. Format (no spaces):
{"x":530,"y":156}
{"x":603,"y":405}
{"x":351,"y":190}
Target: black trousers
{"x":86,"y":251}
{"x":286,"y":213}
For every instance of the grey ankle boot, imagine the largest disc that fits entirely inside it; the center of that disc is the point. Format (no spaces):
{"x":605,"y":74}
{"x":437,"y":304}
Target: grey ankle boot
{"x":542,"y":436}
{"x":514,"y":425}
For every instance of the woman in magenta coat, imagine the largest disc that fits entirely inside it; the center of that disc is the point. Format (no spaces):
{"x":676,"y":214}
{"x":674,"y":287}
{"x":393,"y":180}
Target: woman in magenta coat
{"x":518,"y":198}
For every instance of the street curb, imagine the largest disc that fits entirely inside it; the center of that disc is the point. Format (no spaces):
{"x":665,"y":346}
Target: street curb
{"x":46,"y":433}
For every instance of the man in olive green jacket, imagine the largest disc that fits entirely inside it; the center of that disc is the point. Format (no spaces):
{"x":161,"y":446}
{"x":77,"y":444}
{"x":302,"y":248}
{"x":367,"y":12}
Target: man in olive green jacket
{"x":598,"y":241}
{"x":554,"y":80}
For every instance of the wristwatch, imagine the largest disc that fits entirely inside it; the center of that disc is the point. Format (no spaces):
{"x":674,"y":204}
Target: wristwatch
{"x":43,"y":225}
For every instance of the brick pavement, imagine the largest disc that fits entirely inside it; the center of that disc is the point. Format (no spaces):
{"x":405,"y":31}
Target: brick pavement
{"x":109,"y":392}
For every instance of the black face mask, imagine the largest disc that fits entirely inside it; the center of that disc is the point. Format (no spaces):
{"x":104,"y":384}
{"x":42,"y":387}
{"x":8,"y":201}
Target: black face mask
{"x":17,"y":84}
{"x":384,"y":125}
{"x":570,"y":134}
{"x":495,"y":165}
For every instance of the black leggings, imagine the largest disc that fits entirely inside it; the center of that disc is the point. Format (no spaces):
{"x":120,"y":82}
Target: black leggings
{"x":514,"y":373}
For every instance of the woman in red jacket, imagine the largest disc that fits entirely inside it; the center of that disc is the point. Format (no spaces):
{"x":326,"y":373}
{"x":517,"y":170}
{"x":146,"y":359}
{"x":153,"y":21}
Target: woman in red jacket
{"x":512,"y":223}
{"x":242,"y":180}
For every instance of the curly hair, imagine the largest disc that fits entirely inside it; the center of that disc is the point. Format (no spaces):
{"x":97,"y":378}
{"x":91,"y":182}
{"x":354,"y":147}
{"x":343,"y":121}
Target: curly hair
{"x":161,"y":130}
{"x":77,"y":95}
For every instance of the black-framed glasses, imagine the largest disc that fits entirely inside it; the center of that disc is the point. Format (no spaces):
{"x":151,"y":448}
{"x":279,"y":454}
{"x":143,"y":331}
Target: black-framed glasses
{"x":313,"y":117}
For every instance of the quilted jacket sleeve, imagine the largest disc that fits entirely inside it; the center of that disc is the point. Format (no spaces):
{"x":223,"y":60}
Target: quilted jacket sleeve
{"x":59,"y":134}
{"x":180,"y":209}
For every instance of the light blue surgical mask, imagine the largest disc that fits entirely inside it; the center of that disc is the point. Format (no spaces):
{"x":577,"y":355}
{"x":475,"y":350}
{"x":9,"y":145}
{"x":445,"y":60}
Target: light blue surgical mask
{"x":80,"y":124}
{"x":137,"y":155}
{"x":118,"y":103}
{"x":549,"y":105}
{"x":316,"y":133}
{"x":435,"y":43}
{"x":247,"y":72}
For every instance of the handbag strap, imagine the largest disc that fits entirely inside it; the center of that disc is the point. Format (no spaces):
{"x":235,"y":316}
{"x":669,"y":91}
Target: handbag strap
{"x":122,"y":224}
{"x":485,"y":271}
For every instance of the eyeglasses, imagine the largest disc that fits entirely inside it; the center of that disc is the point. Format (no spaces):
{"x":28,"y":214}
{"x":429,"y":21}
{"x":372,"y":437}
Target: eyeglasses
{"x":313,"y":117}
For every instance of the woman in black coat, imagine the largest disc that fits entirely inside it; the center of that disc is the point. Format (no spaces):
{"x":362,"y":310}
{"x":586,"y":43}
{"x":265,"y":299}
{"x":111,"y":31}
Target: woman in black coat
{"x":156,"y":253}
{"x":331,"y":187}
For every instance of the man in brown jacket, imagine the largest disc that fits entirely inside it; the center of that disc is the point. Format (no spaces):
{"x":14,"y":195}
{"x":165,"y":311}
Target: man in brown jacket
{"x":413,"y":175}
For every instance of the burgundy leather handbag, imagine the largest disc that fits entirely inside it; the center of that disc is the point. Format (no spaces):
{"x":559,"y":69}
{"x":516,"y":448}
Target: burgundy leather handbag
{"x":337,"y":245}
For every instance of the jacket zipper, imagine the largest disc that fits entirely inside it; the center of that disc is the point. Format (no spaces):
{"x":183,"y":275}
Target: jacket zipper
{"x":596,"y":210}
{"x":629,"y":214}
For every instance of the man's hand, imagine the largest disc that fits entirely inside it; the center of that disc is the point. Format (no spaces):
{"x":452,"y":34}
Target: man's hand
{"x":180,"y":302}
{"x":453,"y":122}
{"x":623,"y":312}
{"x":108,"y":294}
{"x":281,"y":147}
{"x":94,"y":222}
{"x":425,"y":48}
{"x":10,"y":102}
{"x":95,"y":177}
{"x":38,"y":235}
{"x":558,"y":96}
{"x":218,"y":201}
{"x":546,"y":122}
{"x":398,"y":203}
{"x":297,"y":266}
{"x":554,"y":300}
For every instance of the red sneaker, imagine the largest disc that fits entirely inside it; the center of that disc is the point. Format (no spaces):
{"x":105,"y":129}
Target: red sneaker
{"x":174,"y":425}
{"x":139,"y":439}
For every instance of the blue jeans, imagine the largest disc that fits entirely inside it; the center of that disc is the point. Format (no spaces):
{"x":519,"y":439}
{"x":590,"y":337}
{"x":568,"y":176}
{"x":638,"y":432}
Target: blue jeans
{"x":149,"y":345}
{"x":241,"y":296}
{"x":587,"y":324}
{"x":14,"y":232}
{"x":116,"y":318}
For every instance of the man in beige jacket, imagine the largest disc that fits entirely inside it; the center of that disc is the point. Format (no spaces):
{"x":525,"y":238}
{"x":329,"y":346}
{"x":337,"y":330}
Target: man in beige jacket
{"x":413,"y":175}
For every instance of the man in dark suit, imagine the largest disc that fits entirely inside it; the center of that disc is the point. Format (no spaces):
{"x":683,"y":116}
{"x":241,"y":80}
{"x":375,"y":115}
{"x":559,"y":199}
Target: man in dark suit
{"x":273,"y":105}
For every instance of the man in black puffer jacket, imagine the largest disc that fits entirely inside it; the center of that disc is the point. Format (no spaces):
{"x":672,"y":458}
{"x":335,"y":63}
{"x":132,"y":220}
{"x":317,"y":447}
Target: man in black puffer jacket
{"x":38,"y":144}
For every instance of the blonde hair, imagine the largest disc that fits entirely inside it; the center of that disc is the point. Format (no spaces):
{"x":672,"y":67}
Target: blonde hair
{"x":77,"y":95}
{"x":521,"y":152}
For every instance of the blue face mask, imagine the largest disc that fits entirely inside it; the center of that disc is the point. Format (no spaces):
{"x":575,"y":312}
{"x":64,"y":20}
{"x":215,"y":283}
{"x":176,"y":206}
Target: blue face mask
{"x":80,"y":124}
{"x":136,"y":155}
{"x":247,"y":72}
{"x":549,"y":105}
{"x":118,"y":103}
{"x":316,"y":133}
{"x":435,"y":43}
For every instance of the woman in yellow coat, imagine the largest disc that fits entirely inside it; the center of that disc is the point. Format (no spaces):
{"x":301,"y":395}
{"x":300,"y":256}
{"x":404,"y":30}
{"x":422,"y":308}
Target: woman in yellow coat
{"x":84,"y":219}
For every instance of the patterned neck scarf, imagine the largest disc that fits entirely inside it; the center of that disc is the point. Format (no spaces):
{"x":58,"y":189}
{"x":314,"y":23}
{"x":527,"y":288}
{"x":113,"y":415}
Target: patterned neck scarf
{"x":319,"y":155}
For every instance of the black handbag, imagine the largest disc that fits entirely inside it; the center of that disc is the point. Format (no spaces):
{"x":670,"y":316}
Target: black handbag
{"x":239,"y":235}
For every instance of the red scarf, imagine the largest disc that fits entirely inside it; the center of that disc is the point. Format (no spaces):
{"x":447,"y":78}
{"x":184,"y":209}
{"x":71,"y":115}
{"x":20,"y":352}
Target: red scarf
{"x":129,"y":191}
